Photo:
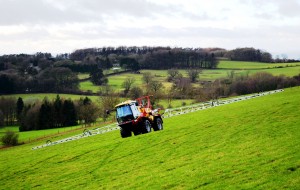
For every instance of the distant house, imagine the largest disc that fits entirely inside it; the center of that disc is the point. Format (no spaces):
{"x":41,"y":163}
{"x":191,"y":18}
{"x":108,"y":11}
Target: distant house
{"x":116,"y":67}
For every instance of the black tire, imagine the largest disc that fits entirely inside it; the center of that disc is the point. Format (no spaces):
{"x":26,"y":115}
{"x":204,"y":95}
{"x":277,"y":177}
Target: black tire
{"x":137,"y":132}
{"x":125,"y":133}
{"x":146,"y":126}
{"x":158,"y":124}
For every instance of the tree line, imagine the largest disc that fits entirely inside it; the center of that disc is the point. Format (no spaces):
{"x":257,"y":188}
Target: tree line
{"x":148,"y":57}
{"x":183,"y":56}
{"x":252,"y":54}
{"x":47,"y":114}
{"x":232,"y":85}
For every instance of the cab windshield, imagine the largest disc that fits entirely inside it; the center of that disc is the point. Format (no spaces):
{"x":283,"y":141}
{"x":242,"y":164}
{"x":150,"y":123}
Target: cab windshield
{"x":124,"y":114}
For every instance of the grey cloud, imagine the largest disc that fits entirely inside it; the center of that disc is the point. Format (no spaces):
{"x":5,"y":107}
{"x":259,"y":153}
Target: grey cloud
{"x":14,"y":12}
{"x":286,"y":8}
{"x":163,"y":32}
{"x":289,"y":8}
{"x":128,"y":7}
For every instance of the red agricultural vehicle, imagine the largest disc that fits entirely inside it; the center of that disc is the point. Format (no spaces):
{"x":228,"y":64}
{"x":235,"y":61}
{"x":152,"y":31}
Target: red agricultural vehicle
{"x":138,"y":117}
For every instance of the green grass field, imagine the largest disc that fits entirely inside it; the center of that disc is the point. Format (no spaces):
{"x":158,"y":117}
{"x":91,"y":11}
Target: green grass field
{"x":252,"y":65}
{"x":224,"y":67}
{"x":29,"y":136}
{"x":83,"y":76}
{"x":287,"y":71}
{"x":89,"y":86}
{"x":30,"y":98}
{"x":243,"y":145}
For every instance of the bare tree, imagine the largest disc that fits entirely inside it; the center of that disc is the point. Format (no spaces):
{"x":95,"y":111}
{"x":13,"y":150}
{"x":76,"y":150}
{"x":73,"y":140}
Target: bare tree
{"x":172,"y":74}
{"x":8,"y":108}
{"x":88,"y":112}
{"x":135,"y":92}
{"x":127,"y":83}
{"x":182,"y":87}
{"x":106,"y":104}
{"x":193,"y":74}
{"x":147,"y":78}
{"x":156,"y":86}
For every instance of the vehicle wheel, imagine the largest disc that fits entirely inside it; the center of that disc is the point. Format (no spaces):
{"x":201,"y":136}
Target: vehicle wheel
{"x":158,"y":124}
{"x":136,"y":132}
{"x":125,"y":133}
{"x":146,"y":126}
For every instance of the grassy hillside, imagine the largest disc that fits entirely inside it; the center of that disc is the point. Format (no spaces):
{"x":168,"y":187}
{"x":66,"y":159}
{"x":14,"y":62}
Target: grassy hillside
{"x":254,"y":144}
{"x":252,"y":65}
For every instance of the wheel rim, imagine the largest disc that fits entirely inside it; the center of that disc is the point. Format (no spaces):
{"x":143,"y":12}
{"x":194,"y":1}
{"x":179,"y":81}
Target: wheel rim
{"x":148,"y":126}
{"x":159,"y":124}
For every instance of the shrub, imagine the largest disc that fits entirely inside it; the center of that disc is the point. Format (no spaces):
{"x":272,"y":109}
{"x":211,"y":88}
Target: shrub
{"x":10,"y":138}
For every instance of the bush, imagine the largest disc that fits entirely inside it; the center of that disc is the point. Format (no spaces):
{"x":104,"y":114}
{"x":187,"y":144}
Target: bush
{"x":10,"y":138}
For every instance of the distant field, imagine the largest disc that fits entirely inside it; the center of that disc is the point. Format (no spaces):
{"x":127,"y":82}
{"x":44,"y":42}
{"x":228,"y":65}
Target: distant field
{"x":243,"y":145}
{"x":224,"y":67}
{"x":158,"y":75}
{"x":116,"y":80}
{"x":28,"y":136}
{"x":83,"y":75}
{"x":252,"y":65}
{"x":287,"y":71}
{"x":29,"y":98}
{"x":89,"y":86}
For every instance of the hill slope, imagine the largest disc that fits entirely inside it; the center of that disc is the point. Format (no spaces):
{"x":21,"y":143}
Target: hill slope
{"x":251,"y":144}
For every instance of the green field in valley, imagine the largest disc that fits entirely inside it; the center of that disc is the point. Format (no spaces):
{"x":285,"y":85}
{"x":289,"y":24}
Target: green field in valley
{"x":83,"y":75}
{"x":287,"y":71}
{"x":89,"y":86}
{"x":224,"y":68}
{"x":30,"y":98}
{"x":252,"y":65}
{"x":28,"y":136}
{"x":243,"y":145}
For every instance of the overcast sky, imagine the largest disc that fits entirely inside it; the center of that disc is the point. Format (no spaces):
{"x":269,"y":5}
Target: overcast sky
{"x":62,"y":26}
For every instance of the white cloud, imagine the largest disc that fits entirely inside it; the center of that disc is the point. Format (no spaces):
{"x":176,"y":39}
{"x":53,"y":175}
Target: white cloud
{"x":60,"y":26}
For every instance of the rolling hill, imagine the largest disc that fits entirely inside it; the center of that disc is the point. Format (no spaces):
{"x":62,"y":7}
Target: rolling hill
{"x":253,"y":144}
